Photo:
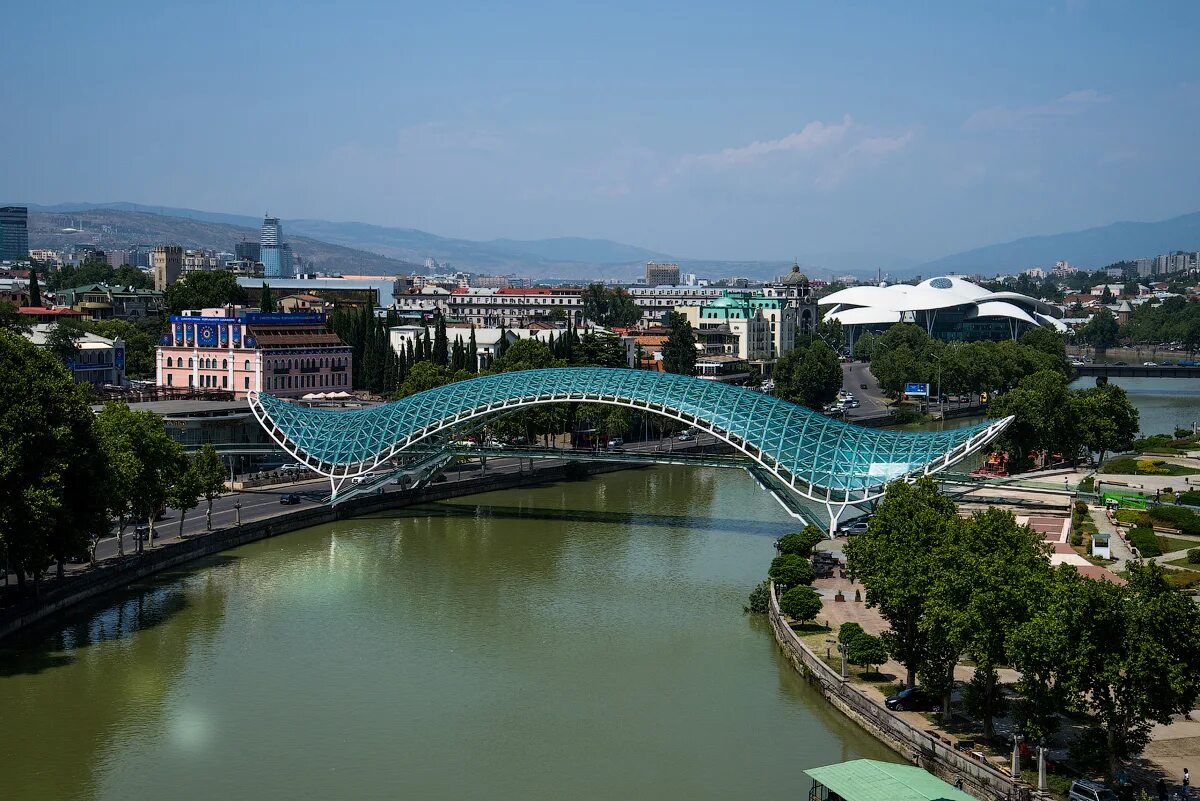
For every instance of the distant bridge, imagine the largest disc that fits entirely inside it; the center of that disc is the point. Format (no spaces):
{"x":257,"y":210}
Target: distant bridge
{"x":1138,"y":371}
{"x":798,"y":450}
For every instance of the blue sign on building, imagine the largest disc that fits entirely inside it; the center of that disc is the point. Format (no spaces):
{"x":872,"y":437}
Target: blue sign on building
{"x":916,"y":389}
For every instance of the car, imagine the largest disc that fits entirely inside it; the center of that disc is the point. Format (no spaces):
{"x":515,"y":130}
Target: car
{"x":1082,"y":790}
{"x":910,"y":699}
{"x":141,"y":532}
{"x":862,"y":386}
{"x":289,"y":499}
{"x":685,"y":437}
{"x":1149,"y":364}
{"x":857,"y":527}
{"x":291,"y":468}
{"x":616,"y":442}
{"x":364,"y":478}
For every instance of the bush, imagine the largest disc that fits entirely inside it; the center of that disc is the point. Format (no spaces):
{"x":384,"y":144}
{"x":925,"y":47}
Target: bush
{"x":800,"y":543}
{"x":1144,"y":540}
{"x":790,"y":570}
{"x":760,"y":599}
{"x":1081,"y":508}
{"x":800,"y":603}
{"x":1191,"y":497}
{"x":1076,"y":537}
{"x":1152,"y":467}
{"x":1088,"y":484}
{"x":1183,"y":433}
{"x":848,"y":631}
{"x":1185,"y":520}
{"x":1194,"y":556}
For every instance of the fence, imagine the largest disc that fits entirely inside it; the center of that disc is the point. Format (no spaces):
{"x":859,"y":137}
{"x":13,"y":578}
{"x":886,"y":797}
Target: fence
{"x":918,"y":746}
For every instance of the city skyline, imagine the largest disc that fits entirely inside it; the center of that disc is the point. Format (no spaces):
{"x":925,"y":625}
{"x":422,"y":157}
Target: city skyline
{"x":718,"y":133}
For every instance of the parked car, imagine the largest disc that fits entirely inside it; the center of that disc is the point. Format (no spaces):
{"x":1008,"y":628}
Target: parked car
{"x":290,"y":499}
{"x":1083,"y":790}
{"x":685,"y":437}
{"x":615,"y":443}
{"x":862,"y":386}
{"x":911,"y":699}
{"x":364,"y":478}
{"x":292,"y":468}
{"x":857,"y":527}
{"x":1149,"y":364}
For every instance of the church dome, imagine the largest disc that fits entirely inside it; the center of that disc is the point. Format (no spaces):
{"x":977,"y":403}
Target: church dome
{"x":795,"y":277}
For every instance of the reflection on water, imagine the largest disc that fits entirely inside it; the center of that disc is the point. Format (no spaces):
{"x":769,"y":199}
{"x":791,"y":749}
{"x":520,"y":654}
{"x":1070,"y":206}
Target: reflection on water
{"x":1163,"y":404}
{"x":581,"y":640}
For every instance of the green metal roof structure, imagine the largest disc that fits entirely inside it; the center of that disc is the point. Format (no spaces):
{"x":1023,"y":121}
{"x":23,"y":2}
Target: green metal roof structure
{"x":869,"y":780}
{"x":822,"y":459}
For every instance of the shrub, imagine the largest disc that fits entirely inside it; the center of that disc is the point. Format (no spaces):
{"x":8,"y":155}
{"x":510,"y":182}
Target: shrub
{"x":1181,"y":579}
{"x":1183,"y":433}
{"x":1076,"y":537}
{"x":790,"y":570}
{"x":1194,"y":556}
{"x":1088,"y":484}
{"x":1152,"y":467}
{"x":866,"y":650}
{"x":1081,"y":508}
{"x":1191,"y":497}
{"x":1144,"y":540}
{"x":800,"y":603}
{"x":1185,"y":520}
{"x":760,"y":600}
{"x":848,"y":631}
{"x":1122,"y":464}
{"x":800,"y":543}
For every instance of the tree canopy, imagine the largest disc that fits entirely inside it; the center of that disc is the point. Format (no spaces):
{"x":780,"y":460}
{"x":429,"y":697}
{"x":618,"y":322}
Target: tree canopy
{"x":204,"y":290}
{"x":679,"y":351}
{"x":609,"y":306}
{"x":810,"y":375}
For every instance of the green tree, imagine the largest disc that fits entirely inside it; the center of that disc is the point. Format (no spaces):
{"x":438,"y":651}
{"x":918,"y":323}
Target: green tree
{"x":1105,"y":418}
{"x":864,"y":346}
{"x":184,"y":492}
{"x":896,"y":560}
{"x":790,"y":570}
{"x":63,"y":340}
{"x":1128,"y":655}
{"x":266,"y":300}
{"x":140,"y":338}
{"x":1043,"y":419}
{"x":801,"y":543}
{"x":800,"y":603}
{"x":810,"y":376}
{"x":472,"y":353}
{"x":848,"y":631}
{"x":204,"y":290}
{"x":11,"y":319}
{"x":132,"y":277}
{"x":441,"y":345}
{"x":866,"y":651}
{"x":679,"y":350}
{"x":427,"y":375}
{"x":609,"y":306}
{"x":53,"y":479}
{"x":35,"y":291}
{"x":1100,"y":331}
{"x":600,"y":349}
{"x":210,"y":473}
{"x":526,"y":354}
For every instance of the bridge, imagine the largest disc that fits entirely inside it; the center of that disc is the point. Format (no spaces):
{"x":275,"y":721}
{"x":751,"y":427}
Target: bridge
{"x":798,"y":451}
{"x":1139,"y":370}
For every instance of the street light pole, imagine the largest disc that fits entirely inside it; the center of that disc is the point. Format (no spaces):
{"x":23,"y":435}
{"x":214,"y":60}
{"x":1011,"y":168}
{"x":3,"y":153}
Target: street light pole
{"x":237,"y":508}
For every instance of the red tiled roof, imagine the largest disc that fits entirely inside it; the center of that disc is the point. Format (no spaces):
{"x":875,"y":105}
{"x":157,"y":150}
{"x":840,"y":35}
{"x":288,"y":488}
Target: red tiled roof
{"x":57,"y":311}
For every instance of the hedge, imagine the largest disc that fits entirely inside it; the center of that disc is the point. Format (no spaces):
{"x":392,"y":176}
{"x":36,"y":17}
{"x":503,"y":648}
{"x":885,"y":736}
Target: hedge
{"x":1145,"y":541}
{"x":1185,"y":520}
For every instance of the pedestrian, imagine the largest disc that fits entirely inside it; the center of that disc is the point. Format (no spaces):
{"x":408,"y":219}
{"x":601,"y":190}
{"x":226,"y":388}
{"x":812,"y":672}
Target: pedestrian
{"x":1161,"y":789}
{"x":1187,"y":783}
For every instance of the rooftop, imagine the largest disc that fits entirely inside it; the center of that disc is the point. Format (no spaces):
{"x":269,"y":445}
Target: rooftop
{"x":869,"y":780}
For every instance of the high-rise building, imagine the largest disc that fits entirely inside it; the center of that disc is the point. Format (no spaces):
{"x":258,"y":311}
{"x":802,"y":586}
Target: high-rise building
{"x":662,"y":273}
{"x":275,"y":261}
{"x":14,"y":233}
{"x":248,"y":251}
{"x":166,"y":262}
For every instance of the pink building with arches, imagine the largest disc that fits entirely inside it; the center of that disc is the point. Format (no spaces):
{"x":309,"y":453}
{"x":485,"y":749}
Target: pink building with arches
{"x":231,"y":349}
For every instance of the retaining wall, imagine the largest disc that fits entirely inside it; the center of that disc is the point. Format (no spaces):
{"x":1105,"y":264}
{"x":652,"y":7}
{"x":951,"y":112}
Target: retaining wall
{"x":918,"y":746}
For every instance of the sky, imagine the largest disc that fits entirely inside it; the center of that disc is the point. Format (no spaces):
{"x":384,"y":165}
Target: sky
{"x":706,"y":130}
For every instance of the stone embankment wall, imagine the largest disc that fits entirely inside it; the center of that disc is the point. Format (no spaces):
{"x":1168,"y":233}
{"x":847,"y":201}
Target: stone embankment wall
{"x":916,"y":745}
{"x":115,"y":573}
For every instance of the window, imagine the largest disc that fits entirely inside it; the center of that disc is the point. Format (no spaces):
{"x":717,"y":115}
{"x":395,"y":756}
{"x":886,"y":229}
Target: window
{"x":224,"y":364}
{"x":191,"y":362}
{"x":189,"y":378}
{"x":224,"y":382}
{"x":168,"y":361}
{"x":247,"y":367}
{"x":247,"y":386}
{"x":169,"y":379}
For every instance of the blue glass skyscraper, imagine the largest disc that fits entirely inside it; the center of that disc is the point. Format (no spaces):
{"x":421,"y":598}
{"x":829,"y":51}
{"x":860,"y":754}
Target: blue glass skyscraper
{"x":271,"y":250}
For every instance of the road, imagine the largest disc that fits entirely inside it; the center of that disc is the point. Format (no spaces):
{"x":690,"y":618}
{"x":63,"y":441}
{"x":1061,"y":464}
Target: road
{"x":263,"y":502}
{"x":872,"y":402}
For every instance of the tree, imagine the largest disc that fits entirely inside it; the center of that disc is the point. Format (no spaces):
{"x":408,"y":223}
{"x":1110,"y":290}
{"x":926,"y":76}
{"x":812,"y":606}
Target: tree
{"x":35,"y":291}
{"x":266,"y":301}
{"x":679,"y":350}
{"x":866,"y":650}
{"x":63,"y":340}
{"x":848,"y":631}
{"x":800,"y":603}
{"x":210,"y":474}
{"x":790,"y":570}
{"x":427,"y":375}
{"x":204,"y":290}
{"x":810,"y":376}
{"x":441,"y":345}
{"x":526,"y":354}
{"x":864,"y":346}
{"x":53,"y":479}
{"x":1105,"y":418}
{"x":473,"y":353}
{"x":1041,"y":408}
{"x":896,"y":560}
{"x":609,"y":306}
{"x":140,"y":338}
{"x":137,"y":445}
{"x":600,"y":349}
{"x":184,"y":492}
{"x":1100,"y":331}
{"x":1129,"y":655}
{"x":11,"y":319}
{"x":801,"y":543}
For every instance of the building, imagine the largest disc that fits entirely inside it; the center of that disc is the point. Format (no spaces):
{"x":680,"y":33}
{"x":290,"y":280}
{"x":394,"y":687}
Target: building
{"x":117,"y":258}
{"x":98,"y":360}
{"x":248,"y":251}
{"x":232,"y":349}
{"x":339,"y":291}
{"x":14,"y":233}
{"x":41,"y":314}
{"x":108,"y":301}
{"x":195,"y":261}
{"x":275,"y":254}
{"x":166,"y":263}
{"x":752,"y":328}
{"x":660,"y":273}
{"x":947,"y":307}
{"x":303,"y":303}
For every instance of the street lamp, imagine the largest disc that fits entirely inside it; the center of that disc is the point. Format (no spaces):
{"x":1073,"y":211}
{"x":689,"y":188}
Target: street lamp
{"x":237,"y":508}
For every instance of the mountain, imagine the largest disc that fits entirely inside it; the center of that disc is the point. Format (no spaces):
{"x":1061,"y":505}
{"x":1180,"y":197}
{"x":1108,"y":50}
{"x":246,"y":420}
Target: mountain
{"x":1091,"y":247}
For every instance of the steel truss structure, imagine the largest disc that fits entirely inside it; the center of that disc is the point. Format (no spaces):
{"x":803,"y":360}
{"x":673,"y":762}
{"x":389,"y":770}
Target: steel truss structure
{"x":824,"y":460}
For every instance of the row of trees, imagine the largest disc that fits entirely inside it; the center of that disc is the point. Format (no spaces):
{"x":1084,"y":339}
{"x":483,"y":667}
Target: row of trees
{"x":982,"y":588}
{"x":68,"y":476}
{"x":93,"y":271}
{"x":907,"y":353}
{"x":1173,"y":320}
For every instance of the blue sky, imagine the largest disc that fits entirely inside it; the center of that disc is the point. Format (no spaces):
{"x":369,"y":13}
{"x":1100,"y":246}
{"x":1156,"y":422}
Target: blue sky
{"x":711,"y":130}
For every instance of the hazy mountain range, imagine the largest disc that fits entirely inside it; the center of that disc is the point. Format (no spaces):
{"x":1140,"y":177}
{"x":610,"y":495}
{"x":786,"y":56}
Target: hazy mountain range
{"x":359,"y":248}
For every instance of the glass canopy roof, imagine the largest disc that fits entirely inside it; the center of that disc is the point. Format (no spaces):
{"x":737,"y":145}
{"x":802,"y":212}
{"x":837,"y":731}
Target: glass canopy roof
{"x":813,"y":454}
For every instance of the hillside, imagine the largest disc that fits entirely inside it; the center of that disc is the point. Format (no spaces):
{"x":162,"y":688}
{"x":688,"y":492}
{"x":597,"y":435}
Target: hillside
{"x":111,"y":229}
{"x":1092,"y":247}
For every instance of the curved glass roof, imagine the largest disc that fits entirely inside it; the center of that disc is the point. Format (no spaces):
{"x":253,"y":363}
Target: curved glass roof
{"x":814,"y":454}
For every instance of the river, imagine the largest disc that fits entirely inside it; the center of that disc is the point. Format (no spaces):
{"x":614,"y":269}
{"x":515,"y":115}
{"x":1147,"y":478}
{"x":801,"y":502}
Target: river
{"x":583,"y":640}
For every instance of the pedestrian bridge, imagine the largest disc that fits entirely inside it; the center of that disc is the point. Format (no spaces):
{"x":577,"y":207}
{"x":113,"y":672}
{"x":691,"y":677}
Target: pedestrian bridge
{"x":824,"y":460}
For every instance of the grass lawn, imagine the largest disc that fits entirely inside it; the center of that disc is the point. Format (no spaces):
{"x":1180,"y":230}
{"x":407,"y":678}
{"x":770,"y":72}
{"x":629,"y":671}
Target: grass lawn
{"x":1172,"y":544}
{"x":1127,"y":465}
{"x":1183,"y":563}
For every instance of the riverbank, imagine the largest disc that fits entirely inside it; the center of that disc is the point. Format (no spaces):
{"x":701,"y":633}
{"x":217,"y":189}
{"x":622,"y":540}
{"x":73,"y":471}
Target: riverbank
{"x":110,"y":574}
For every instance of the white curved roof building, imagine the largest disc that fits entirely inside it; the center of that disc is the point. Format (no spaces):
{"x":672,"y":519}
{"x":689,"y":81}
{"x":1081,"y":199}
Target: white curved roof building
{"x":947,"y":307}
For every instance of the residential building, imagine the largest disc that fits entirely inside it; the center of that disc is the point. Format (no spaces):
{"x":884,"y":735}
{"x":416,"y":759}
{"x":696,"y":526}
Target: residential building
{"x":45,"y":256}
{"x":376,"y":291}
{"x":166,"y":263}
{"x":14,"y":233}
{"x":108,"y":301}
{"x":41,"y":314}
{"x":248,"y":251}
{"x":195,"y":261}
{"x":754,"y":336}
{"x":98,"y":360}
{"x":1145,"y":268}
{"x":303,"y":303}
{"x":288,"y":355}
{"x":117,"y":258}
{"x":15,"y":290}
{"x":660,"y":273}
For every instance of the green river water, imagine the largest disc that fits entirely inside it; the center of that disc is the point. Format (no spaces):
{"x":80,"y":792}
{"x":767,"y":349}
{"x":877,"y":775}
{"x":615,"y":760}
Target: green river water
{"x":583,"y":640}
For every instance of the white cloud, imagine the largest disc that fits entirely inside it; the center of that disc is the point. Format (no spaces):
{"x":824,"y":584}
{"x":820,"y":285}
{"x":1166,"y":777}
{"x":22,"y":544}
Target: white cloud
{"x":813,"y":137}
{"x":1003,"y":117}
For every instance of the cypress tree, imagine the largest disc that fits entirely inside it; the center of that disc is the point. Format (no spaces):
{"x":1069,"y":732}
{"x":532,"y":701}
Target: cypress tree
{"x":472,"y":353}
{"x":266,"y":301}
{"x":441,"y":345}
{"x":426,"y":347}
{"x":35,"y":291}
{"x":410,"y":354}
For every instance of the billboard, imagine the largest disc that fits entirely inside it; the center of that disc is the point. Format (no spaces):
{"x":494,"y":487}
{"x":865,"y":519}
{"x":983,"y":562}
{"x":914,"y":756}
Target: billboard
{"x":916,"y":389}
